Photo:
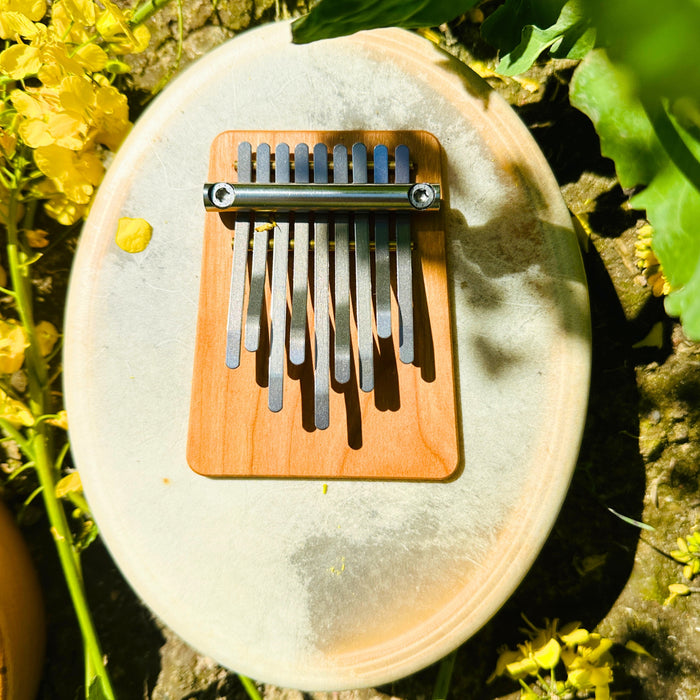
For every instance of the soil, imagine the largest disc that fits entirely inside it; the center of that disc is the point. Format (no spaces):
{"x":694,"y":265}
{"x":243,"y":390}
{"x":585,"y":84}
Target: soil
{"x":639,"y":456}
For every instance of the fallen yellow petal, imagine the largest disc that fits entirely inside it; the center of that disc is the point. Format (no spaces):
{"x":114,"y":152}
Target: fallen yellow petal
{"x":133,"y":235}
{"x":637,"y":649}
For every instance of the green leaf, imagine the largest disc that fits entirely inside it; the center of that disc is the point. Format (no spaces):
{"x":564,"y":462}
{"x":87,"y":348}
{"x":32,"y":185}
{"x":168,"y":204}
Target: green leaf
{"x":606,"y":94}
{"x":331,"y":18}
{"x":96,"y":691}
{"x":659,"y":43}
{"x":561,"y":27}
{"x":503,"y":29}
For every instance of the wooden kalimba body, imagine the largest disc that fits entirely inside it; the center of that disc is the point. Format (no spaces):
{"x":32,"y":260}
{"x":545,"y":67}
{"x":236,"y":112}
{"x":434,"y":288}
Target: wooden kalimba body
{"x":337,"y":319}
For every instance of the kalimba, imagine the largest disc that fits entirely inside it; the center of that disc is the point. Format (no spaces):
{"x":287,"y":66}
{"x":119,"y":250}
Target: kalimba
{"x":355,"y":554}
{"x":324,"y":236}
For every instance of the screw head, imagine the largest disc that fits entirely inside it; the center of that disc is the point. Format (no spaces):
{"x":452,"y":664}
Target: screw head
{"x":222,"y":195}
{"x":421,"y":195}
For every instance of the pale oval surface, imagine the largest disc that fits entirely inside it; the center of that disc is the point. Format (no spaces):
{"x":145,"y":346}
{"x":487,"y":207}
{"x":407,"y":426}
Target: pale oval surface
{"x":369,"y":581}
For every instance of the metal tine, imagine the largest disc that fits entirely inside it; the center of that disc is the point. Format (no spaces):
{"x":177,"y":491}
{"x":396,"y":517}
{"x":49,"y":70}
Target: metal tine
{"x":404,"y":265}
{"x":363,"y":277}
{"x":278,"y":294}
{"x":382,"y":268}
{"x":321,"y":292}
{"x":238,"y":265}
{"x":342,"y":274}
{"x":300,"y":271}
{"x":259,"y":262}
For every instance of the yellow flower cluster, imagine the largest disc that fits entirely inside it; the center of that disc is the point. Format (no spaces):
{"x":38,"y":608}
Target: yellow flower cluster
{"x":649,"y":264}
{"x":585,"y":656}
{"x":63,"y":105}
{"x":13,"y":343}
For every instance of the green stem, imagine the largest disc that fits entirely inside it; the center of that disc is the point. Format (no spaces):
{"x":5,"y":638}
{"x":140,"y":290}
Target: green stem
{"x":37,"y":447}
{"x":145,"y":11}
{"x":442,"y":684}
{"x":249,"y":687}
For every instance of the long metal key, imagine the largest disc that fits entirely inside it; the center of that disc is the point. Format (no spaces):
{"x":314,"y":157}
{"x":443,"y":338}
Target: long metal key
{"x":404,"y":274}
{"x":382,"y":267}
{"x":300,"y":272}
{"x":321,"y":291}
{"x":341,"y":220}
{"x":238,"y":265}
{"x":278,"y":294}
{"x":363,"y":277}
{"x":259,"y":262}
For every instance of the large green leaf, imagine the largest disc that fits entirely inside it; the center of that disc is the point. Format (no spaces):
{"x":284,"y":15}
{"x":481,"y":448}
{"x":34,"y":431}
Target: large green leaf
{"x":332,"y":18}
{"x":607,"y":95}
{"x":660,"y":43}
{"x":524,"y":29}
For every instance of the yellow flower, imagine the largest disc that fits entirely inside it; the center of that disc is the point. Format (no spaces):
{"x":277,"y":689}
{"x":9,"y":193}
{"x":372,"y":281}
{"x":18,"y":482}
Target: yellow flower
{"x":8,"y":143}
{"x":114,"y":28}
{"x":31,"y":9}
{"x":20,"y":61}
{"x":60,"y":421}
{"x":676,"y":589}
{"x":14,"y":25}
{"x":13,"y":342}
{"x":37,"y":238}
{"x":15,"y":412}
{"x":73,"y":174}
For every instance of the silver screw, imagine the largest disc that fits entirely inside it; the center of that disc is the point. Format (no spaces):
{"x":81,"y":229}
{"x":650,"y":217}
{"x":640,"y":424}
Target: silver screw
{"x":222,"y":195}
{"x":421,"y":195}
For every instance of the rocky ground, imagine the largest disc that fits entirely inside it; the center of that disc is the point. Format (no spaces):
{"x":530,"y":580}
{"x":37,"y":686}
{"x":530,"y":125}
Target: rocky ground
{"x":640,"y":452}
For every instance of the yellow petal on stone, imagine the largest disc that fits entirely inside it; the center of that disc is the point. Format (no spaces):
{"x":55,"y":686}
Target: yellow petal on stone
{"x":20,"y":61}
{"x":637,"y":648}
{"x":46,"y":337}
{"x":133,"y":235}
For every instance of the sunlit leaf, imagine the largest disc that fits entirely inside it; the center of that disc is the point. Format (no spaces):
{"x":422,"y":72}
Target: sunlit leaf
{"x":659,"y":43}
{"x":563,"y":28}
{"x":331,"y":18}
{"x":606,"y":94}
